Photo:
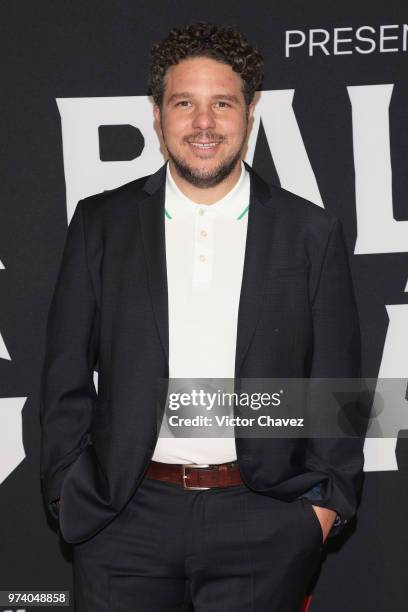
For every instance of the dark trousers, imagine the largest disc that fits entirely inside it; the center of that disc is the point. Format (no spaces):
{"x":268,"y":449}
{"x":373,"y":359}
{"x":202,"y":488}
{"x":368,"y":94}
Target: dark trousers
{"x":177,"y":550}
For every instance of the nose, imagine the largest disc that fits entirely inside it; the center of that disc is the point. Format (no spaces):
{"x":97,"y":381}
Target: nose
{"x":204,"y":118}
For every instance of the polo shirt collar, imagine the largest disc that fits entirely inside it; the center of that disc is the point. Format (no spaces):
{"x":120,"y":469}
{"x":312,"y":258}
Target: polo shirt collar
{"x":233,"y":205}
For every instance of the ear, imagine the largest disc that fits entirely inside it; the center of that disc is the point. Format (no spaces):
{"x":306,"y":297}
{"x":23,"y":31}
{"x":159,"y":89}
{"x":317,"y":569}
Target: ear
{"x":251,"y":108}
{"x":156,"y":113}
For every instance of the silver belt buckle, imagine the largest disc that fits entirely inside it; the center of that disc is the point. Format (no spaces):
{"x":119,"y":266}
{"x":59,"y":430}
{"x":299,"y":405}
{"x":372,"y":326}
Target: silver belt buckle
{"x":192,"y":465}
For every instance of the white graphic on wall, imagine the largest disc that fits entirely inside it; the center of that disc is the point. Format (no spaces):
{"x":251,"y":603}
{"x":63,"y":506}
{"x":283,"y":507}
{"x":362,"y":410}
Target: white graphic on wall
{"x":292,"y":163}
{"x":4,"y":354}
{"x":380,"y":452}
{"x":85,"y":173}
{"x":11,"y":435}
{"x":12,"y":450}
{"x":377,"y":230}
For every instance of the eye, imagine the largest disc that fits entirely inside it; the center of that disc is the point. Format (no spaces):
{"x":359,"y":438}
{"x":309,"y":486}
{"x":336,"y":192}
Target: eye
{"x":223,"y":104}
{"x":183,"y":103}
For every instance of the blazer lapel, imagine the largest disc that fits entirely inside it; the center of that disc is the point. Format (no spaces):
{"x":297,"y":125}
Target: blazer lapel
{"x":151,"y":212}
{"x":257,"y":254}
{"x":257,"y":249}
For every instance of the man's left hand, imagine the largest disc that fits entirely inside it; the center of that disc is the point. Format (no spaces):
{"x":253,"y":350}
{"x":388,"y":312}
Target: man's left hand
{"x":326,"y":518}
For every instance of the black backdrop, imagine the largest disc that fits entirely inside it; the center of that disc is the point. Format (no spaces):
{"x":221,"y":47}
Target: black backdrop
{"x":57,"y":56}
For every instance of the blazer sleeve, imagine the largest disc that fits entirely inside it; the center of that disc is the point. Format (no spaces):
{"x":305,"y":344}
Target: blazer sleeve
{"x":337,"y":354}
{"x":67,"y":392}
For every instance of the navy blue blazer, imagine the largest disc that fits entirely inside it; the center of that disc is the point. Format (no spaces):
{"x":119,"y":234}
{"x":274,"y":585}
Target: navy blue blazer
{"x":109,"y":311}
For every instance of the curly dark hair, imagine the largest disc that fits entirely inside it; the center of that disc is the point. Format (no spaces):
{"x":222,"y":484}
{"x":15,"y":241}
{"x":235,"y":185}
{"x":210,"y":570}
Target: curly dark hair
{"x":203,"y":39}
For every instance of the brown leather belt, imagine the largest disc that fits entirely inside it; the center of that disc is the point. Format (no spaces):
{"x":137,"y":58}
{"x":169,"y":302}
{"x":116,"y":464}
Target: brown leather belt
{"x":196,"y":475}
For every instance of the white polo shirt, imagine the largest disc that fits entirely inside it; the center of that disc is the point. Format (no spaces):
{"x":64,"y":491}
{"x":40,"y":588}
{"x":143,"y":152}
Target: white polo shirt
{"x":205,"y":247}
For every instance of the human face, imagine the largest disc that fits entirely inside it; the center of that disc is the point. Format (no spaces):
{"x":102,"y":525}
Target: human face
{"x":203,"y":119}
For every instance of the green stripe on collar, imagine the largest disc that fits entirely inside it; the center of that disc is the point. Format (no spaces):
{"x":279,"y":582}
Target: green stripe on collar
{"x":243,"y":213}
{"x":168,"y":215}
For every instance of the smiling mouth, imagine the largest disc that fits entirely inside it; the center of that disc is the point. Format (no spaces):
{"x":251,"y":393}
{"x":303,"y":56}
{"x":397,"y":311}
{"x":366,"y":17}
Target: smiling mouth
{"x":204,"y":145}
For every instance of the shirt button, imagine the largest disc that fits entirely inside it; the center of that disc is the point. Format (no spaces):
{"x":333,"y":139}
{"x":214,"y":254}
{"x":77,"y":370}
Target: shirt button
{"x":203,"y":258}
{"x":201,"y":211}
{"x":203,"y":233}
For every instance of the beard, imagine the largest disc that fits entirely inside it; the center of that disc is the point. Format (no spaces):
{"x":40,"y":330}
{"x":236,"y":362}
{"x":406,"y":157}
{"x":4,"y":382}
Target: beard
{"x":205,"y":178}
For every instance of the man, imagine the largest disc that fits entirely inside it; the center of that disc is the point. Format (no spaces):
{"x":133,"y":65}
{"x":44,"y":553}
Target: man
{"x":199,"y":270}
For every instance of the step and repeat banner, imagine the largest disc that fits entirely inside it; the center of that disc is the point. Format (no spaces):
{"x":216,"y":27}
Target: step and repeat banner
{"x":330,"y":125}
